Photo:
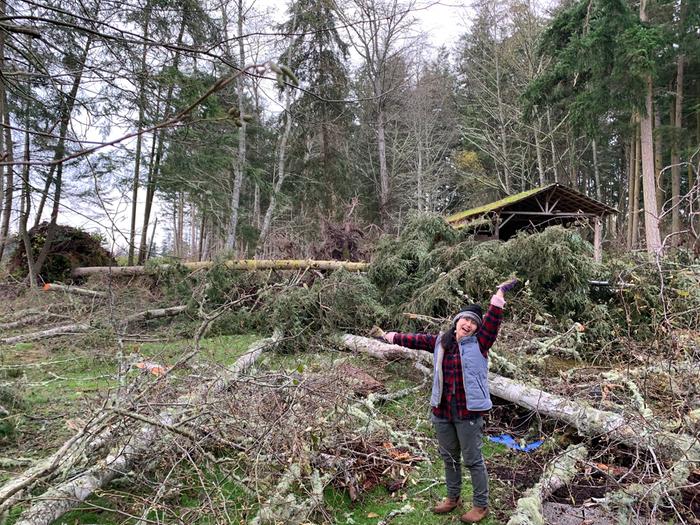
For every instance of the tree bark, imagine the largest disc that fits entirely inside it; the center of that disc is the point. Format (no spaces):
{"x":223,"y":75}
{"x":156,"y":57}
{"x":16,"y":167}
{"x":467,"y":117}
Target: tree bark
{"x":60,"y":499}
{"x":233,"y":264}
{"x":69,"y":329}
{"x":538,"y":150}
{"x":139,"y":138}
{"x":8,"y":152}
{"x":675,"y":155}
{"x":75,"y":290}
{"x":596,"y":172}
{"x":651,"y":214}
{"x":658,"y":162}
{"x":66,"y":113}
{"x":240,"y":163}
{"x":634,"y":204}
{"x":157,"y":313}
{"x":154,"y":169}
{"x":26,"y":200}
{"x":281,"y":174}
{"x":552,"y":146}
{"x":383,"y":170}
{"x":79,"y":328}
{"x":558,"y":473}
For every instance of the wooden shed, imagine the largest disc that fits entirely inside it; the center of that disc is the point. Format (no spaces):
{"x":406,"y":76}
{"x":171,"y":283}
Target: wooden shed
{"x":534,"y":210}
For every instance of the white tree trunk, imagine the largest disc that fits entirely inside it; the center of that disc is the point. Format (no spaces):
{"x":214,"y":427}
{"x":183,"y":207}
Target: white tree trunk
{"x":557,"y":474}
{"x":239,"y":166}
{"x":281,"y":175}
{"x":60,"y":499}
{"x":53,"y":287}
{"x":69,"y":329}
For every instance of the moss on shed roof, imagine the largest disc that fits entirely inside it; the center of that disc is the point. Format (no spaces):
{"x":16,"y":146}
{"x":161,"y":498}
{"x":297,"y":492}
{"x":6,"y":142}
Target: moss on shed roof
{"x":491,"y":206}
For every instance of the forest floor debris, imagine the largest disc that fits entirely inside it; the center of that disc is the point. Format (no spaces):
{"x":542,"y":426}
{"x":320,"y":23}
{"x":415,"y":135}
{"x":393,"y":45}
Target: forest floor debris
{"x":344,"y":434}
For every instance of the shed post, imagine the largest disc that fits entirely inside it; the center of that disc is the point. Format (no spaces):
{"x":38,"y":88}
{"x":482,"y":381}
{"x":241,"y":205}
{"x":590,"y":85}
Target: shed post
{"x":597,"y":239}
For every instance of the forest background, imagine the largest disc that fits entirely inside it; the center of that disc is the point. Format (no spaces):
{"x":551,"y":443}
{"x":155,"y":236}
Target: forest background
{"x":175,"y":105}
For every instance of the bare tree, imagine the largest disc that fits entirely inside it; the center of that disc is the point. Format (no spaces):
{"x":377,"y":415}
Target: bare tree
{"x":379,"y":30}
{"x":240,"y":162}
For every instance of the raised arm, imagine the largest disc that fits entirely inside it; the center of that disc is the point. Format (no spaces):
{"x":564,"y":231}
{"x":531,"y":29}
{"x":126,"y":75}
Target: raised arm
{"x":493,"y":317}
{"x":417,"y":341}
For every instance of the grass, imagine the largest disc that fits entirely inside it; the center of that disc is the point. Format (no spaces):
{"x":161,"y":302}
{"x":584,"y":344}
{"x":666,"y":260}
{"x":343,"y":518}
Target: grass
{"x":73,"y":377}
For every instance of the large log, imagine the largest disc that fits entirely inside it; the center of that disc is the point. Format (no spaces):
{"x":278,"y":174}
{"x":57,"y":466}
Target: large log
{"x":156,"y":313}
{"x":65,"y":496}
{"x":234,"y":264}
{"x":589,"y":421}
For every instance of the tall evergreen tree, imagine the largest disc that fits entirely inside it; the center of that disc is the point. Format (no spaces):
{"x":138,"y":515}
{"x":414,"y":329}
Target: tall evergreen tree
{"x":604,"y":57}
{"x":317,"y":54}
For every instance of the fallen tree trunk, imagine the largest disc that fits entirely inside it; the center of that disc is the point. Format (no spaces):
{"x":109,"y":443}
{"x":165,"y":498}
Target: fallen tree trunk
{"x":587,"y":420}
{"x":592,"y":422}
{"x":155,"y":314}
{"x":45,"y":334}
{"x":88,"y":439}
{"x":79,"y":328}
{"x":53,"y":287}
{"x":29,"y":319}
{"x":233,"y":264}
{"x":423,"y":361}
{"x":556,"y":474}
{"x":60,"y":499}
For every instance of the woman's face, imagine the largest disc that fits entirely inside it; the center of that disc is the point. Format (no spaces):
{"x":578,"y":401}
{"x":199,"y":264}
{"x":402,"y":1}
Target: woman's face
{"x":465,"y":327}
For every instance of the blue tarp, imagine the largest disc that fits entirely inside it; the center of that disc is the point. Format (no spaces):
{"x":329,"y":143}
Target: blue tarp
{"x":508,"y":441}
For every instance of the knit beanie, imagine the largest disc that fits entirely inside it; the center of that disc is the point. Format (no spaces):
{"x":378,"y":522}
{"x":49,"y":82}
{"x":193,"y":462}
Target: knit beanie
{"x":473,"y":312}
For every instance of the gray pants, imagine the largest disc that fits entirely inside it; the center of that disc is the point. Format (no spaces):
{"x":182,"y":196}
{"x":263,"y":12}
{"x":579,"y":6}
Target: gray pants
{"x":459,"y":439}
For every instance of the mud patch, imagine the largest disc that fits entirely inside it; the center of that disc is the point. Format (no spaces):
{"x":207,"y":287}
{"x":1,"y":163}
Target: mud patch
{"x":584,"y":487}
{"x":562,"y":514}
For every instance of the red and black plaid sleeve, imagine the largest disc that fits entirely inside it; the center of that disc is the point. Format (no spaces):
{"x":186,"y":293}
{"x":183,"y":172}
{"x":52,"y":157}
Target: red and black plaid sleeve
{"x":416,"y":341}
{"x":489,"y":328}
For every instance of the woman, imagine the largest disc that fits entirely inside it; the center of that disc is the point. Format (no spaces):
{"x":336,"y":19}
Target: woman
{"x":460,"y":396}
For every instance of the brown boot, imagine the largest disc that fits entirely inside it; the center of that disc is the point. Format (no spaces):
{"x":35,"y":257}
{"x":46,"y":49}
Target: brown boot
{"x":475,"y":515}
{"x":447,"y":505}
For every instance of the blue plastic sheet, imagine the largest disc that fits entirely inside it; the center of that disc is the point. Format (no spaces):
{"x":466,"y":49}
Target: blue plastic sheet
{"x":508,"y":441}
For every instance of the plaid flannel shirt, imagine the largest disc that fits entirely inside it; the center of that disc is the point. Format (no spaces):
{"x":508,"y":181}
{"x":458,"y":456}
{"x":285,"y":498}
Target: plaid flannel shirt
{"x":453,"y":380}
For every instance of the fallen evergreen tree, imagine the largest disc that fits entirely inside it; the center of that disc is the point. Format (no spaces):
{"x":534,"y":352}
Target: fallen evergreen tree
{"x":416,"y":282}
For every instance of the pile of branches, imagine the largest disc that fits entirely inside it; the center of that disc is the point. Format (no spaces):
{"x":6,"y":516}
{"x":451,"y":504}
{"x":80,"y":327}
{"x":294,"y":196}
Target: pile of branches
{"x":286,"y":435}
{"x":277,"y":439}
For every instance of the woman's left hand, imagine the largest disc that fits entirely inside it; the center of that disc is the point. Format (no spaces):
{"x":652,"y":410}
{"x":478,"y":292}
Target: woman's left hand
{"x":506,"y":286}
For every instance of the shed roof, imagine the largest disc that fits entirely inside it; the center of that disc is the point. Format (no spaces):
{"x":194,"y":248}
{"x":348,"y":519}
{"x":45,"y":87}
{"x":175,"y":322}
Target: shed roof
{"x":563,"y":201}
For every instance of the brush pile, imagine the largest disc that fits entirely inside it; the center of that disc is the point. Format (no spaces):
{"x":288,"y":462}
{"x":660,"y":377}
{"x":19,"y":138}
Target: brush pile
{"x":592,"y":350}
